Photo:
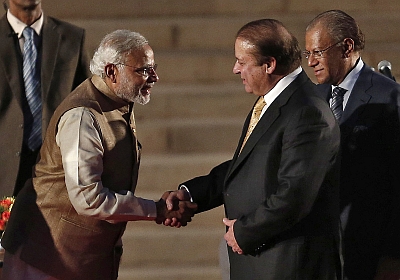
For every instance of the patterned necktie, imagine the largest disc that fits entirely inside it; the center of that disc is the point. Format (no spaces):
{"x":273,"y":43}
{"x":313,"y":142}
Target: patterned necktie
{"x":255,"y":117}
{"x":32,"y":89}
{"x":337,"y":102}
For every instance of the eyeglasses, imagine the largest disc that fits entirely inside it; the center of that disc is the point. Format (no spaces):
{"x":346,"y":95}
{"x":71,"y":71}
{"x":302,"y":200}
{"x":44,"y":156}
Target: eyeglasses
{"x":318,"y":54}
{"x":145,"y":71}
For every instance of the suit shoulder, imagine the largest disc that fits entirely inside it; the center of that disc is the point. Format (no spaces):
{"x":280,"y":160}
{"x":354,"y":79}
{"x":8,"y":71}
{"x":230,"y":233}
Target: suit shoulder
{"x":379,"y":79}
{"x":66,"y":26}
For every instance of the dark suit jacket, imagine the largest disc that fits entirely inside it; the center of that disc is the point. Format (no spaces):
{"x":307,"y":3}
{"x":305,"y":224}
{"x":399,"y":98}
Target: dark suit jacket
{"x":370,"y":172}
{"x":282,"y":189}
{"x":64,"y":66}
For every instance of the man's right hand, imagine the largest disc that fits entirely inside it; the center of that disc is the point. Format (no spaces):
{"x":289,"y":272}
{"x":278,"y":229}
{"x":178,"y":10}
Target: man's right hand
{"x":175,"y":209}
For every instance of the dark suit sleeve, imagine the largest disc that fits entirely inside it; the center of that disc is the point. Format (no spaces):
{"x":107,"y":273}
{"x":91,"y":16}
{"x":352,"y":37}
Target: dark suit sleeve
{"x":82,"y":69}
{"x":310,"y":144}
{"x":207,"y":191}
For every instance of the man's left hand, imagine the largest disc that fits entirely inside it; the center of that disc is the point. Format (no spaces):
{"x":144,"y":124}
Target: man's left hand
{"x":230,"y":236}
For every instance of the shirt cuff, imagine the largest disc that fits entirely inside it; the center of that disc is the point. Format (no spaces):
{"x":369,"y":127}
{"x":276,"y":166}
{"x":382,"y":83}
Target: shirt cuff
{"x":186,"y":189}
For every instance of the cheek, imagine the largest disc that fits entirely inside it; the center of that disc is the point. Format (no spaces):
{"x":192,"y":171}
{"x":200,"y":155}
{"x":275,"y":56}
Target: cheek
{"x":257,"y":77}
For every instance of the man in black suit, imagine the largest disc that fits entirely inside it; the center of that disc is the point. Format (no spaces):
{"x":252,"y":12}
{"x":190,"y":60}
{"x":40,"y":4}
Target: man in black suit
{"x":369,"y":123}
{"x":280,"y":190}
{"x":61,"y":65}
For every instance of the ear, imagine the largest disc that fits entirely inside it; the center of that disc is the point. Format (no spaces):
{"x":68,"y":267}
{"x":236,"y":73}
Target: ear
{"x":348,"y":47}
{"x":270,"y":65}
{"x":111,"y":72}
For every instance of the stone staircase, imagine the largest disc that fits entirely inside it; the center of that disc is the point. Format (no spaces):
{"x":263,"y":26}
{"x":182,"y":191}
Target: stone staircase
{"x":197,"y":109}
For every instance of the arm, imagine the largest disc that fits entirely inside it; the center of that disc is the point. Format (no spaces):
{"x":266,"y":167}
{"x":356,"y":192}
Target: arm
{"x":204,"y":191}
{"x":207,"y":191}
{"x":82,"y":152}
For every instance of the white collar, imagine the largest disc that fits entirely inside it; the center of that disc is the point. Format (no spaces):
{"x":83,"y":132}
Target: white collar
{"x":19,"y":26}
{"x":351,"y":78}
{"x":280,"y":86}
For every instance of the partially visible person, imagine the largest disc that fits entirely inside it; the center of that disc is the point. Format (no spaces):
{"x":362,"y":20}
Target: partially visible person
{"x":280,"y":190}
{"x":60,"y":64}
{"x":67,"y":222}
{"x":368,"y":114}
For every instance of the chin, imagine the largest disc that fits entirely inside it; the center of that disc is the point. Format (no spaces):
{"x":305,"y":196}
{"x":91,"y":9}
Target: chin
{"x":321,"y":81}
{"x":142,"y":99}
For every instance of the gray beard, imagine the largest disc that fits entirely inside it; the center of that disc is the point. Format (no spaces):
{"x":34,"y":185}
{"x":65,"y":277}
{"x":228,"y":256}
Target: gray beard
{"x":125,"y":92}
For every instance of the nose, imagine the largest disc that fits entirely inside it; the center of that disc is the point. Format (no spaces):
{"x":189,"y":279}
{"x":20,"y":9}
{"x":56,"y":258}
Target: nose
{"x":235,"y":69}
{"x":153,"y":77}
{"x":312,"y":61}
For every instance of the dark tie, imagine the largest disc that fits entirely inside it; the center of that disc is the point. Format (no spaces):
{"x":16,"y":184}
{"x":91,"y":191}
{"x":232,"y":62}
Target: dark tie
{"x":337,"y":102}
{"x":32,"y":89}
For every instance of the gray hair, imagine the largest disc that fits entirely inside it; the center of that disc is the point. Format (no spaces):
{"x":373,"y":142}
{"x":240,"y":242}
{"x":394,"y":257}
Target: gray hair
{"x":114,"y":48}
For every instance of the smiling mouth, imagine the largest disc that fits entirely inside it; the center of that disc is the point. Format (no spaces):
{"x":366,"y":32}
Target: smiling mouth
{"x":146,"y":89}
{"x":317,"y":71}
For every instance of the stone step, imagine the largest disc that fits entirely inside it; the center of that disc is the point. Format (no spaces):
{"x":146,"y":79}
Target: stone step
{"x":189,"y":136}
{"x":171,"y":273}
{"x":193,"y":119}
{"x":174,"y":8}
{"x":186,"y":57}
{"x":196,"y":101}
{"x":152,"y":250}
{"x":167,"y":8}
{"x":217,"y":33}
{"x":146,"y":241}
{"x":159,"y":173}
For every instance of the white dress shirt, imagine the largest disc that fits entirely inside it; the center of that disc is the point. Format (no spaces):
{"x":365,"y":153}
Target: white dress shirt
{"x":270,"y":96}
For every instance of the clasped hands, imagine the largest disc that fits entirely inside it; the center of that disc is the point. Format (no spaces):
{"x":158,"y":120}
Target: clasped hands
{"x":175,"y":209}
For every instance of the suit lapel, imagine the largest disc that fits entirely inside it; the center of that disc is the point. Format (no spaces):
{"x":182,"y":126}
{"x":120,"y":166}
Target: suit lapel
{"x":11,"y":59}
{"x":50,"y":46}
{"x":359,"y":95}
{"x":264,"y":123}
{"x":325,"y":91}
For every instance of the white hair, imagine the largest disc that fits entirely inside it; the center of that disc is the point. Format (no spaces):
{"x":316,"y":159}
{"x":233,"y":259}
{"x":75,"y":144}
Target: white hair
{"x":114,"y":48}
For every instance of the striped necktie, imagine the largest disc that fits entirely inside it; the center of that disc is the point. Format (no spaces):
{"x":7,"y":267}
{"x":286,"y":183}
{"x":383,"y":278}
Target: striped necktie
{"x":31,"y":76}
{"x":337,"y":102}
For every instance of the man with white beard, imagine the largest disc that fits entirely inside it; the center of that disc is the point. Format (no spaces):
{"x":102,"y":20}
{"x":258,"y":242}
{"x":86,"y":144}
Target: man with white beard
{"x":67,"y":222}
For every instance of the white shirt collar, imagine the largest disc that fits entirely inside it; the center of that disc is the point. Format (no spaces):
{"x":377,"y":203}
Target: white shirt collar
{"x":19,"y":26}
{"x":351,"y":78}
{"x":279,"y":87}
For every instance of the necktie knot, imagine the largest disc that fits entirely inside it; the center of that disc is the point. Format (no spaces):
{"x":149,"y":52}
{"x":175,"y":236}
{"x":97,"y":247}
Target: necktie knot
{"x":259,"y":105}
{"x":338,"y":91}
{"x":28,"y":33}
{"x":255,"y":117}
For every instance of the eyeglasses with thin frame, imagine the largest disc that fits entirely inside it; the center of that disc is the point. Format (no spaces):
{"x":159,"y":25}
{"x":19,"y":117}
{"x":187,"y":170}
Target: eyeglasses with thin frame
{"x":318,"y":54}
{"x":145,"y":71}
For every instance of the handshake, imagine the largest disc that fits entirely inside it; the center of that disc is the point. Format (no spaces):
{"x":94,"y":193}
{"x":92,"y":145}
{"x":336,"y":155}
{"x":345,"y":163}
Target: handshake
{"x":175,"y":209}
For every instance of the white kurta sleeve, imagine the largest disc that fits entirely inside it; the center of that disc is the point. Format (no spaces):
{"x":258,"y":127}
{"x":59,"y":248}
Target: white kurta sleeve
{"x":82,"y":156}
